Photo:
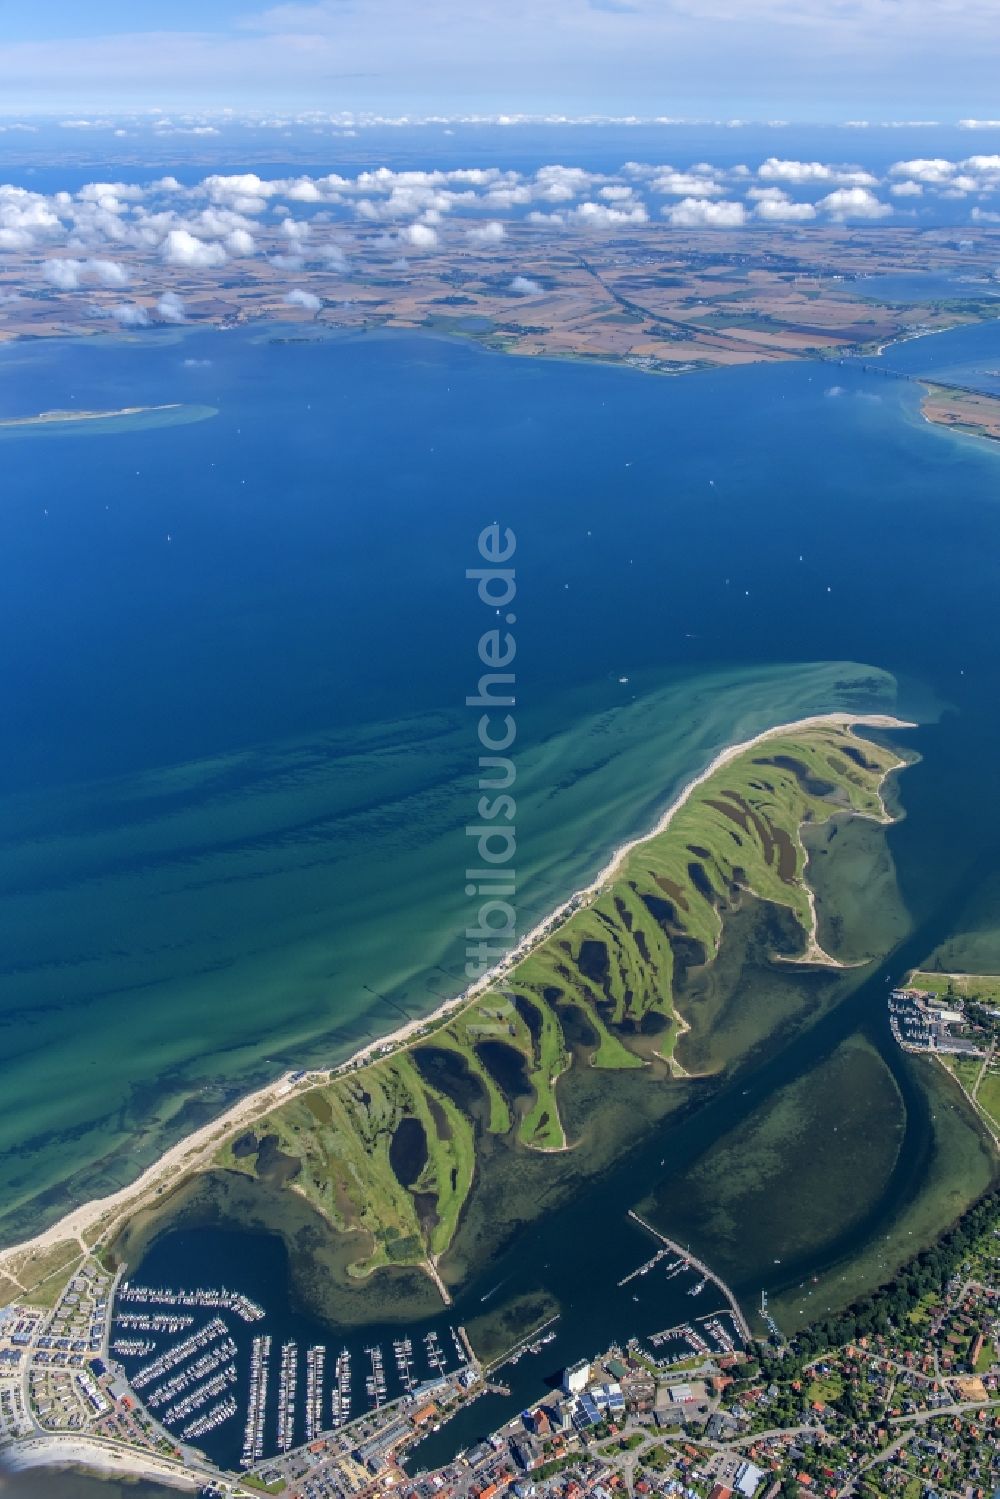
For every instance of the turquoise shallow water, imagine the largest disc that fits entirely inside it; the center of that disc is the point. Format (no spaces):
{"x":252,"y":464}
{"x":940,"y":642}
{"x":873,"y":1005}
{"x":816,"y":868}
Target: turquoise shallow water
{"x":66,"y":1484}
{"x":235,"y":758}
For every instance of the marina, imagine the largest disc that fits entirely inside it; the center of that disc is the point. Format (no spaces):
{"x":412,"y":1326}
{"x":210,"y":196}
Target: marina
{"x":705,"y":1336}
{"x":202,"y":1394}
{"x":707,"y":1274}
{"x":219,"y":1372}
{"x":132,"y":1347}
{"x":403,"y":1349}
{"x":296,"y":1380}
{"x":192,"y":1375}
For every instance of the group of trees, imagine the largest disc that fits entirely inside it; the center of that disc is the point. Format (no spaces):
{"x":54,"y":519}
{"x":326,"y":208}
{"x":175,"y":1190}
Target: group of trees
{"x":926,"y":1274}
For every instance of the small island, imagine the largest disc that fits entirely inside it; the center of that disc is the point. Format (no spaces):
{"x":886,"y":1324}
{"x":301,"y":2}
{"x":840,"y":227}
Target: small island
{"x":58,"y":417}
{"x":61,"y":423}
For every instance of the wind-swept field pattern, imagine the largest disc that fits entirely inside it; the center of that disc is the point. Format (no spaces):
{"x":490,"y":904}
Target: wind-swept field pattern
{"x":389,"y":1150}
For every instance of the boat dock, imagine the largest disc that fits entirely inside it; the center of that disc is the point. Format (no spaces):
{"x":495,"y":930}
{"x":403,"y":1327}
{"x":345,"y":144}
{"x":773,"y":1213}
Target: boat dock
{"x":179,"y":1353}
{"x":375,"y":1385}
{"x":534,"y":1342}
{"x":696,"y":1264}
{"x":224,"y":1411}
{"x":660,"y":1254}
{"x":288,"y":1378}
{"x":158,"y":1322}
{"x":253,"y":1433}
{"x":219,"y":1300}
{"x":315,"y":1368}
{"x":403,"y":1349}
{"x":341,"y":1397}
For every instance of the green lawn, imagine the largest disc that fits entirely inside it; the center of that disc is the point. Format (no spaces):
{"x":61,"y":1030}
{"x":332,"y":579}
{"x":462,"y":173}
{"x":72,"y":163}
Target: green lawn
{"x":987,"y":1358}
{"x":988,"y":1096}
{"x":981,"y":986}
{"x":825,"y":1388}
{"x":42,"y":1275}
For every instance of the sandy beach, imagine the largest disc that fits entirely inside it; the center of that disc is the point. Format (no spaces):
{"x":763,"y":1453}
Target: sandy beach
{"x":68,"y":1450}
{"x":196,"y":1150}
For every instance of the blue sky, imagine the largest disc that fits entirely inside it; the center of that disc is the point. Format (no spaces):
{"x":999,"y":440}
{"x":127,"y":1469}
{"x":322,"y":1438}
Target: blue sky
{"x":797,"y":59}
{"x":21,"y":20}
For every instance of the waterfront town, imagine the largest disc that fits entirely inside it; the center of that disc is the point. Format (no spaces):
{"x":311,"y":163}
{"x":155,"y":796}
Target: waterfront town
{"x":899,"y":1395}
{"x":922,"y":1021}
{"x":908,"y":1405}
{"x":955,"y":1018}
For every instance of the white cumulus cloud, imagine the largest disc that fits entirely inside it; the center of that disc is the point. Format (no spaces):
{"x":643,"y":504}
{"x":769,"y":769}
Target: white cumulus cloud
{"x":68,"y":275}
{"x":929,"y":169}
{"x":420,"y":236}
{"x":558,"y":184}
{"x":304,"y":299}
{"x":240,"y":242}
{"x":109,"y":272}
{"x":774,"y":169}
{"x":685,"y":185}
{"x":604,"y":216}
{"x":171,"y":308}
{"x":130,"y":315}
{"x":182,"y":248}
{"x":64,"y":274}
{"x":702,"y":213}
{"x":490,"y":233}
{"x":776,"y":207}
{"x":854,"y":203}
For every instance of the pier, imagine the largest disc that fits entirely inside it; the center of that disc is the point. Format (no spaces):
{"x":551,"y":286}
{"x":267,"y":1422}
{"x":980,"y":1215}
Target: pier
{"x":180,"y":1353}
{"x":288,"y":1375}
{"x":532,"y":1343}
{"x":253,"y":1436}
{"x":644,"y":1269}
{"x":341,"y":1398}
{"x":220,"y":1299}
{"x":432,"y":1271}
{"x":315,"y":1367}
{"x":703,"y":1269}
